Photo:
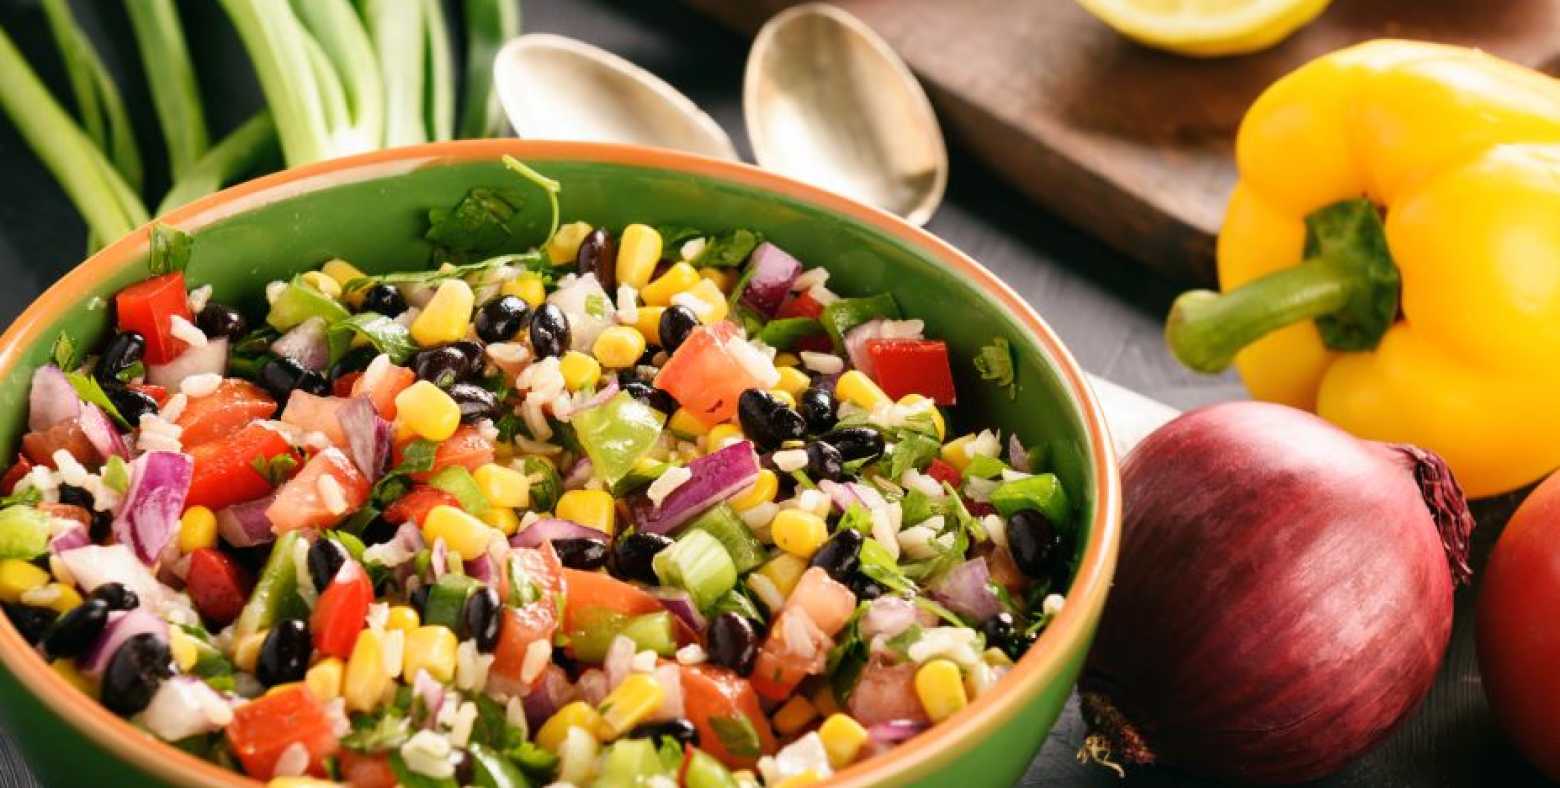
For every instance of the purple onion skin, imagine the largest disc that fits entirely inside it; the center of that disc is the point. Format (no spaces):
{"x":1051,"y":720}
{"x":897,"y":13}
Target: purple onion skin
{"x":1283,"y":596}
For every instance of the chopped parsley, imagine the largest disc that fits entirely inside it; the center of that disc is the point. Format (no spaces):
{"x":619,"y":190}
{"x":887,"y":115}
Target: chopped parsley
{"x":994,"y":362}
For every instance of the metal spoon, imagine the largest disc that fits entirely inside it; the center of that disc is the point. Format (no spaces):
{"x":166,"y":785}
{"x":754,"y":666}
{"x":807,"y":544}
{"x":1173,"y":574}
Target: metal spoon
{"x":554,"y":87}
{"x":828,"y":102}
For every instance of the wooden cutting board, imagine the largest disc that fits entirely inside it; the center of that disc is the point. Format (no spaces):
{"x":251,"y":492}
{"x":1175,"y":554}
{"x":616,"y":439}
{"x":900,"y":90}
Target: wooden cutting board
{"x":1132,"y":144}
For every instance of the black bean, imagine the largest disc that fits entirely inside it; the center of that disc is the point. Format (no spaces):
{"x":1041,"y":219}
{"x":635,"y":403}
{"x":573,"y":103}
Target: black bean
{"x":637,"y":389}
{"x":284,"y":655}
{"x":77,"y":630}
{"x":767,"y":421}
{"x":733,"y":643}
{"x":679,"y":730}
{"x":662,"y":400}
{"x":354,"y":360}
{"x":550,"y":334}
{"x":1034,"y":541}
{"x":123,"y":351}
{"x":481,"y":618}
{"x":32,"y":622}
{"x":824,"y":462}
{"x":472,"y":352}
{"x":632,"y":554}
{"x":134,"y":673}
{"x":500,"y":319}
{"x":1001,"y":632}
{"x":857,"y":443}
{"x":218,"y":320}
{"x":474,"y":401}
{"x":384,"y":299}
{"x":280,"y":376}
{"x":116,"y":595}
{"x":677,"y":322}
{"x":598,"y":255}
{"x":130,"y":403}
{"x":582,"y":553}
{"x":817,"y":407}
{"x":465,"y":767}
{"x":325,"y":559}
{"x":443,"y":366}
{"x":866,"y":588}
{"x":75,"y":496}
{"x":841,"y":555}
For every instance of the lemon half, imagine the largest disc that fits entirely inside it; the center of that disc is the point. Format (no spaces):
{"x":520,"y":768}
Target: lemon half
{"x":1206,"y":28}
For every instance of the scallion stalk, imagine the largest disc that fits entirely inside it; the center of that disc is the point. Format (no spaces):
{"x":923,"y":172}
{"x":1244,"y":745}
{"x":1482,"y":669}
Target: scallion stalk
{"x":439,"y":104}
{"x":335,"y":25}
{"x":273,"y":37}
{"x":102,"y":109}
{"x":243,"y":151}
{"x":171,"y":78}
{"x":489,"y":23}
{"x":396,"y":27}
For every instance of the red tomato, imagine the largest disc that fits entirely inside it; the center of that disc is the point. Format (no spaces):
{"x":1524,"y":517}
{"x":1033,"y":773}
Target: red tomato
{"x":885,"y":693}
{"x":41,"y":446}
{"x":387,"y":382}
{"x":803,"y":305}
{"x":1519,"y":643}
{"x":366,"y":771}
{"x":264,"y":728}
{"x":828,"y":602}
{"x":912,"y":366}
{"x":217,"y":585}
{"x":703,"y":375}
{"x":586,"y":590}
{"x":536,"y":621}
{"x":300,"y":504}
{"x":342,"y":611}
{"x":148,"y":308}
{"x":312,"y":413}
{"x":415,"y":505}
{"x":158,"y":394}
{"x":223,"y":412}
{"x":224,"y":470}
{"x":466,"y":448}
{"x":14,"y":474}
{"x":943,"y":472}
{"x":343,"y":385}
{"x":710,"y":692}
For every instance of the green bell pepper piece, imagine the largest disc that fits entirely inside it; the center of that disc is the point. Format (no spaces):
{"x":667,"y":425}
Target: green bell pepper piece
{"x":706,"y":772}
{"x":276,"y":592}
{"x":493,"y":770}
{"x":629,"y":762}
{"x":447,"y":600}
{"x":616,"y":434}
{"x":785,"y":332}
{"x":299,"y":302}
{"x":1042,"y":492}
{"x":457,"y":481}
{"x":847,"y":313}
{"x":24,"y":532}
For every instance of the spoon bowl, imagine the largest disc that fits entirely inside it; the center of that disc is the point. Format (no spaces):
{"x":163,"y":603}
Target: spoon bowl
{"x":828,"y":102}
{"x":608,"y":99}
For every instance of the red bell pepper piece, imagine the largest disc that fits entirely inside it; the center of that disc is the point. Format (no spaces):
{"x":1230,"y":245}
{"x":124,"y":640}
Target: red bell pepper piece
{"x":224,"y":470}
{"x":414,"y":505}
{"x":943,"y":472}
{"x":342,"y":611}
{"x":803,"y":305}
{"x":264,"y":728}
{"x":148,"y":307}
{"x":217,"y":585}
{"x":913,"y":366}
{"x":343,"y":385}
{"x":14,"y":474}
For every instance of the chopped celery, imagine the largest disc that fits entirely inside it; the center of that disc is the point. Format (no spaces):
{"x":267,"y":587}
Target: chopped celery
{"x":1043,"y":492}
{"x":723,"y":523}
{"x":629,"y":762}
{"x":652,"y":631}
{"x":616,"y":434}
{"x":490,"y":769}
{"x":706,"y":772}
{"x":299,"y":302}
{"x":698,"y":564}
{"x":457,"y":481}
{"x":276,"y":592}
{"x":446,"y":600}
{"x":594,"y":629}
{"x":24,"y":532}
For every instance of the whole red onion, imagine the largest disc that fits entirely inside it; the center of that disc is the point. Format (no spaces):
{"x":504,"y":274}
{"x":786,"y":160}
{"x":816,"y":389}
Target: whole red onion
{"x":1283,"y":597}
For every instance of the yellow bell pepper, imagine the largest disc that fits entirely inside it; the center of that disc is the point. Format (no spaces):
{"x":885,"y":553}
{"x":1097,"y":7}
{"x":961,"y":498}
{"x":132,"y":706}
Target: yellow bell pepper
{"x":1437,"y":325}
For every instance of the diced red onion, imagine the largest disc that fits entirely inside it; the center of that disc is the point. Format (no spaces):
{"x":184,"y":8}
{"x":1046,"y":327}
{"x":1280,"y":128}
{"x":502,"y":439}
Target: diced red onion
{"x":69,"y":539}
{"x":306,"y":344}
{"x":856,"y":345}
{"x":552,"y":529}
{"x":966,"y":590}
{"x":100,"y":431}
{"x":210,"y":357}
{"x":551,"y":693}
{"x":619,"y":661}
{"x":578,"y":475}
{"x":669,"y":676}
{"x":159,"y":481}
{"x":895,"y":731}
{"x":887,"y":616}
{"x":368,"y":436}
{"x":120,"y":628}
{"x":439,"y":558}
{"x":245,"y":524}
{"x":51,"y":399}
{"x":481,"y":568}
{"x":680,"y":604}
{"x":432,"y":694}
{"x":1017,"y":457}
{"x":94,"y":565}
{"x":592,"y":686}
{"x":607,"y":392}
{"x":716,"y":477}
{"x":773,"y":273}
{"x":846,"y":494}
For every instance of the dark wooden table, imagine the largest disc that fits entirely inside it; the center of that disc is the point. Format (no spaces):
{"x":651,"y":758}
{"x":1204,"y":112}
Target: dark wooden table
{"x":1107,"y":309}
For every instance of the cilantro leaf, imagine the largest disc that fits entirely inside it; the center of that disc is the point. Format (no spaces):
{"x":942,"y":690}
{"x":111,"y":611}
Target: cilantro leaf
{"x":737,"y":735}
{"x":674,"y":235}
{"x":276,"y":469}
{"x":27,"y":497}
{"x":170,"y":249}
{"x":848,"y":658}
{"x":479,"y":223}
{"x":994,"y":362}
{"x":880,"y":568}
{"x":546,"y":487}
{"x":65,"y":353}
{"x":530,"y":261}
{"x":913,"y":450}
{"x":727,"y":250}
{"x":88,"y":389}
{"x":416,"y":458}
{"x":386,"y":335}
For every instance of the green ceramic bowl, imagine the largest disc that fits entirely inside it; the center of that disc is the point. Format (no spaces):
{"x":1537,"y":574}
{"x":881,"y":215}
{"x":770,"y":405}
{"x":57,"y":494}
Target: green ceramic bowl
{"x":373,"y":211}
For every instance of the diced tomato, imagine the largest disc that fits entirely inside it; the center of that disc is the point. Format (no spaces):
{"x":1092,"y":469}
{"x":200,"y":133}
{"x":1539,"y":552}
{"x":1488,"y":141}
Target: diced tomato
{"x":543,"y":567}
{"x":148,"y":308}
{"x":386,"y":382}
{"x":828,"y":602}
{"x":886,"y":692}
{"x":586,"y":590}
{"x":704,"y":376}
{"x":300,"y":504}
{"x":14,"y":474}
{"x":1004,"y":572}
{"x":944,"y":472}
{"x":536,"y":621}
{"x":312,"y":413}
{"x":342,"y":611}
{"x":343,"y":385}
{"x":217,"y":585}
{"x":223,"y":412}
{"x":158,"y":394}
{"x":912,"y":366}
{"x":367,"y":771}
{"x":466,"y":448}
{"x":264,"y":728}
{"x":780,"y":667}
{"x":224,"y":470}
{"x":710,"y":692}
{"x":41,"y":446}
{"x":803,"y":305}
{"x":66,"y":511}
{"x":415,"y":505}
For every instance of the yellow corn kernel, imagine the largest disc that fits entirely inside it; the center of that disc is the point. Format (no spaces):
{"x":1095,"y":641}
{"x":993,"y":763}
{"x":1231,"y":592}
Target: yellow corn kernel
{"x":823,"y":699}
{"x":842,"y":739}
{"x":940,"y":687}
{"x":678,"y":278}
{"x":808,"y":777}
{"x":58,"y":597}
{"x":322,"y":282}
{"x":182,"y":647}
{"x":404,"y":618}
{"x":686,"y":425}
{"x":342,"y":271}
{"x":784,"y":571}
{"x":324,"y":679}
{"x":579,"y":370}
{"x":996,"y":658}
{"x":799,"y":533}
{"x":578,"y":714}
{"x":708,"y":302}
{"x":649,"y":323}
{"x":639,"y":250}
{"x":855,"y":387}
{"x":956,"y":452}
{"x":18,"y":577}
{"x":619,"y":347}
{"x":460,"y":531}
{"x":564,"y":246}
{"x":794,"y":715}
{"x":784,"y":396}
{"x":635,"y":699}
{"x":197,"y":529}
{"x":792,"y":380}
{"x":68,"y":671}
{"x":721,"y":434}
{"x":446,"y":316}
{"x":505,"y":487}
{"x":366,"y":680}
{"x":724,"y":278}
{"x":787,"y":360}
{"x":503,"y":518}
{"x":593,"y":508}
{"x":527,"y":287}
{"x":247,"y":651}
{"x":432,"y":648}
{"x":911,"y":400}
{"x":762,"y":490}
{"x":427,"y":411}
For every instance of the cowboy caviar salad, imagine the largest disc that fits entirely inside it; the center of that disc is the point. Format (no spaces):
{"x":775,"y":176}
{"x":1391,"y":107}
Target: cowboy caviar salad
{"x":643,"y":507}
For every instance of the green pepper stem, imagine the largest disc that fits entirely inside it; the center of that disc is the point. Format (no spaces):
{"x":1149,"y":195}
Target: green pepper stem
{"x":1206,"y":329}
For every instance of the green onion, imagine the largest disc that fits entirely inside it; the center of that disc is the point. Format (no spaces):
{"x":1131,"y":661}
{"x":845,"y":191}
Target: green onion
{"x":489,"y":23}
{"x":243,"y":151}
{"x":343,"y":39}
{"x":273,"y":37}
{"x":457,"y":481}
{"x":698,"y":564}
{"x":440,"y":99}
{"x":96,"y":94}
{"x":396,"y":27}
{"x":171,"y":78}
